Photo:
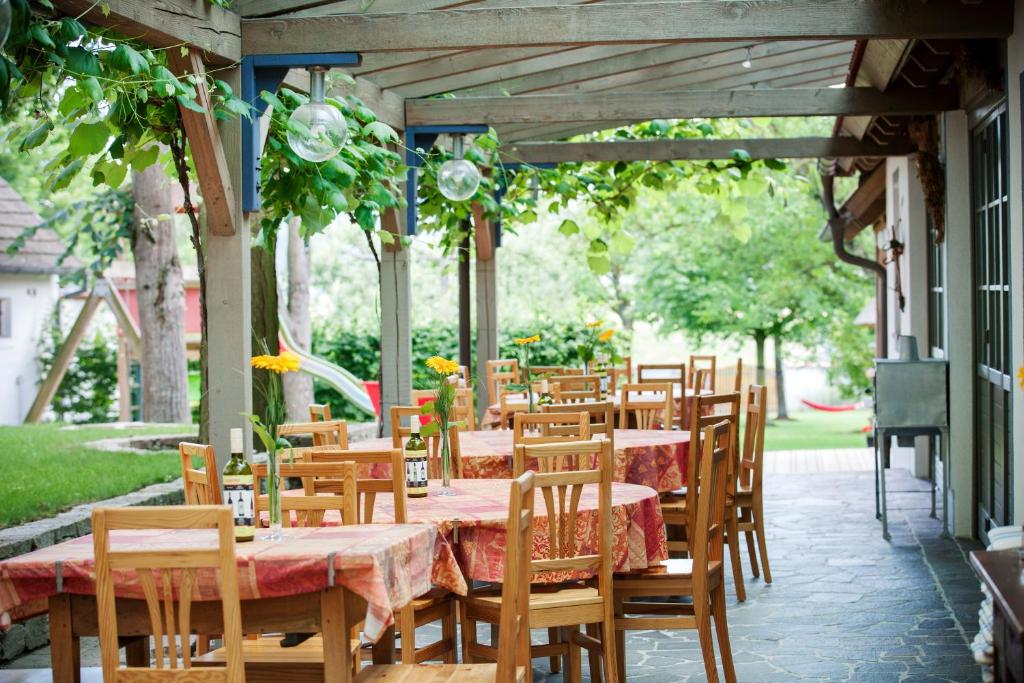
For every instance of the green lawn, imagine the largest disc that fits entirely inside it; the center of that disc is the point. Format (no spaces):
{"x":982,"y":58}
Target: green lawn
{"x":46,"y":469}
{"x":811,"y":429}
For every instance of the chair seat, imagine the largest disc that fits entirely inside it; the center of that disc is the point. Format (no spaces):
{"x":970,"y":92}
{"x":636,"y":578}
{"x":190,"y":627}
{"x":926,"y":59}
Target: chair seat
{"x":669,"y":577}
{"x":435,"y":596}
{"x":673,"y":505}
{"x":669,"y":569}
{"x":541,"y":597}
{"x":434,"y":673}
{"x":266,"y":660}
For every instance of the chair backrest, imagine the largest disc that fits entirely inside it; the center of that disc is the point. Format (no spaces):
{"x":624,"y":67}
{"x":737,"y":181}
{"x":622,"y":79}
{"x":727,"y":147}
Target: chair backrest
{"x":709,"y":410}
{"x":752,"y":458}
{"x":499,"y":373}
{"x":309,"y":508}
{"x":388,"y":467}
{"x":328,"y":433}
{"x":560,"y":494}
{"x":620,"y":374}
{"x":319,"y":412}
{"x":706,"y":362}
{"x":602,"y":417}
{"x":737,"y":382}
{"x":576,"y":388}
{"x":547,"y":371}
{"x":525,"y":423}
{"x":562,"y":456}
{"x":700,"y":379}
{"x":156,"y":570}
{"x":514,"y":618}
{"x":650,"y":404}
{"x":710,"y":491}
{"x":202,"y":487}
{"x":666,"y":372}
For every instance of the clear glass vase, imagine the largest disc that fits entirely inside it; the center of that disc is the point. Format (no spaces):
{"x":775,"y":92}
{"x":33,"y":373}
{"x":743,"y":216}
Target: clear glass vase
{"x":446,"y":464}
{"x":273,"y":496}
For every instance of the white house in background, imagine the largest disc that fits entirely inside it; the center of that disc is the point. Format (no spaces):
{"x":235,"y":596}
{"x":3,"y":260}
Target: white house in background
{"x":28,"y":293}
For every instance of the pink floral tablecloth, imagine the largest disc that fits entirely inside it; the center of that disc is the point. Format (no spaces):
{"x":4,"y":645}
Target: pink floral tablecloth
{"x":387,"y":566}
{"x":474,"y":520}
{"x":650,"y":457}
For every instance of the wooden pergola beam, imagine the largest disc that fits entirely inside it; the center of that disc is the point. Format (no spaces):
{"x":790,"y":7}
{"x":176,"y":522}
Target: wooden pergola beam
{"x":681,"y":104}
{"x":168,"y":23}
{"x":644,"y":23}
{"x":698,"y":149}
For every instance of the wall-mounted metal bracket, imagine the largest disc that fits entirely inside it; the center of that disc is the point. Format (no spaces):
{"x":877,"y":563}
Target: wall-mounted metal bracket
{"x":424,"y":137}
{"x":267,"y":72}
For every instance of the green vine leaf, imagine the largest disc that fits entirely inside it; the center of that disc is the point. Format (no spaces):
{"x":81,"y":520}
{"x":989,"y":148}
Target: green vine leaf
{"x":88,"y":138}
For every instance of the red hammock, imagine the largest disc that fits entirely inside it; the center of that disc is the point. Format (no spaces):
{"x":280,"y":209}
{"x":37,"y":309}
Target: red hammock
{"x":831,"y":409}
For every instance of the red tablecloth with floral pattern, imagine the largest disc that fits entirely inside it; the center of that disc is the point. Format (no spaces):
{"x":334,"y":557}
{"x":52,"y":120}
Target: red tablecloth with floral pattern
{"x":650,"y":457}
{"x":388,"y":566}
{"x":480,"y":511}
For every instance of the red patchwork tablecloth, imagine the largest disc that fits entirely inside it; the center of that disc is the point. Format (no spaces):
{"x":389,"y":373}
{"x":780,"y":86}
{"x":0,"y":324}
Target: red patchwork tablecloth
{"x":387,"y":566}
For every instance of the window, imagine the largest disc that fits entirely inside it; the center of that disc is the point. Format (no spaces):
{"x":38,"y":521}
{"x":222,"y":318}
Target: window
{"x":5,"y":318}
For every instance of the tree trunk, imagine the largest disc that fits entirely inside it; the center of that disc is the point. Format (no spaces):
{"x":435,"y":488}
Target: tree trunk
{"x":759,"y":338}
{"x":264,"y":321}
{"x":298,"y":386}
{"x":780,"y":380}
{"x":160,"y":292}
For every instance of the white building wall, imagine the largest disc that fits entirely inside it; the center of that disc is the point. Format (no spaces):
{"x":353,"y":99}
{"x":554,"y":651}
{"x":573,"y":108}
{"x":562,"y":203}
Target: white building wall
{"x":906,"y":222}
{"x":32,"y":300}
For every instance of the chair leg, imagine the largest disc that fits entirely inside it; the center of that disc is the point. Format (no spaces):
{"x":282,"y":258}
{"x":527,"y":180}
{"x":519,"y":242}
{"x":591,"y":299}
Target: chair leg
{"x":620,"y":643}
{"x":573,"y":660}
{"x":609,"y":653}
{"x":468,"y":633}
{"x":722,"y":629}
{"x":734,"y":553}
{"x":450,"y":634}
{"x":554,"y":636}
{"x":702,"y":615}
{"x":593,"y":658}
{"x":746,"y":516}
{"x":407,"y":625}
{"x":762,"y":544}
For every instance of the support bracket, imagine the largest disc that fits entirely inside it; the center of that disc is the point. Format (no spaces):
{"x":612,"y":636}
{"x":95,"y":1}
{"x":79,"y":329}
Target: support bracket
{"x":424,"y":137}
{"x":267,"y":72}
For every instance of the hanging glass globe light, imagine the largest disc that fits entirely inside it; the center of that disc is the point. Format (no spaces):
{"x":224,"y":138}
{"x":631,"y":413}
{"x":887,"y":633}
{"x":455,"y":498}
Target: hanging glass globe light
{"x":458,"y":179}
{"x":5,"y":20}
{"x":317,"y":131}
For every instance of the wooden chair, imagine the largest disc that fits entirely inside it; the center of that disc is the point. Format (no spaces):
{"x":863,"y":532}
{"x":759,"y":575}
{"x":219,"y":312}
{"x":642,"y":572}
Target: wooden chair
{"x":552,"y":427}
{"x":701,"y":578}
{"x":576,"y":389}
{"x":319,"y":412}
{"x":679,"y":507}
{"x":708,"y":363}
{"x":566,"y":605}
{"x":512,"y":656}
{"x":749,"y":491}
{"x":737,"y":382}
{"x":650,"y":404}
{"x":166,"y":564}
{"x":547,"y":371}
{"x":619,"y":374}
{"x":202,"y":487}
{"x":499,"y":373}
{"x":668,"y":372}
{"x":328,"y":433}
{"x":602,"y":416}
{"x":438,"y":604}
{"x":401,"y":416}
{"x":309,"y":509}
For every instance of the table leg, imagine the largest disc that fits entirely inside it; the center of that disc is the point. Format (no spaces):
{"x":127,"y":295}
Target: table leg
{"x":384,"y":649}
{"x":65,"y":652}
{"x":334,"y":623}
{"x":136,"y":652}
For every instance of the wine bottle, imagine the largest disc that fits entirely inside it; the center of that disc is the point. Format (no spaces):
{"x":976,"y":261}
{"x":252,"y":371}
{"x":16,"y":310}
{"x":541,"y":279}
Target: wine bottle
{"x":415,"y":463}
{"x":236,"y":480}
{"x":545,"y":394}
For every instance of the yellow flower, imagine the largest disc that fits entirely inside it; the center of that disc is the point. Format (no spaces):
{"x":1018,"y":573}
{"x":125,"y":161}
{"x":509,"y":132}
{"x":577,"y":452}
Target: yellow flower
{"x":606,"y":335}
{"x":442,"y":366}
{"x":1020,"y":376}
{"x":286,"y":362}
{"x":527,"y":340}
{"x":596,"y":323}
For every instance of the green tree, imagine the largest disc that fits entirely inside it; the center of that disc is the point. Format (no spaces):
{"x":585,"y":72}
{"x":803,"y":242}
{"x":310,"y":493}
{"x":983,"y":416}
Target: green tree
{"x":772,"y":280}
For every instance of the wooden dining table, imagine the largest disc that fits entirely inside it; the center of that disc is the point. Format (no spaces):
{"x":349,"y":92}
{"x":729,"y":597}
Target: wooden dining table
{"x":649,"y":457}
{"x":312,"y":580}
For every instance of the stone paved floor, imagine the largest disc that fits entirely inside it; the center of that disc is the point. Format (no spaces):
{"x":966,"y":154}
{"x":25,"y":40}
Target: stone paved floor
{"x":844,"y":606}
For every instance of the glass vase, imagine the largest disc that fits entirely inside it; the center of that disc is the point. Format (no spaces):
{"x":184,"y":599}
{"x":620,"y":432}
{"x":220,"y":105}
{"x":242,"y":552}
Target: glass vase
{"x":446,"y":464}
{"x":273,"y":496}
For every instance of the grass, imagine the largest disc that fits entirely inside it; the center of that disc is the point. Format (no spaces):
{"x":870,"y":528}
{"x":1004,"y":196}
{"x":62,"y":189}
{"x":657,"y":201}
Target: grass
{"x":47,"y":469}
{"x":811,"y":429}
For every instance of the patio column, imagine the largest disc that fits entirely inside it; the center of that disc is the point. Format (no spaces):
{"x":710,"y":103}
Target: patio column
{"x":229,"y":319}
{"x":395,"y":328}
{"x":486,"y":314}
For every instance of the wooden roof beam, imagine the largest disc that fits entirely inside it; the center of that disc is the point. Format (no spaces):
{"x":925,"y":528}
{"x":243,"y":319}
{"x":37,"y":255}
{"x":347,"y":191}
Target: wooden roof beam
{"x":614,"y":23}
{"x":681,"y":104}
{"x":698,"y":149}
{"x":168,"y":23}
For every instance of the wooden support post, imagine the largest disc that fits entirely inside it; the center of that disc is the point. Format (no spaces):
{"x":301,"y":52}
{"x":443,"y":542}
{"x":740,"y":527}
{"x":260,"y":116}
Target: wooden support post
{"x":204,"y":143}
{"x":229,"y":318}
{"x":486,"y":310}
{"x":465,"y":314}
{"x":65,"y":354}
{"x":395,"y":329}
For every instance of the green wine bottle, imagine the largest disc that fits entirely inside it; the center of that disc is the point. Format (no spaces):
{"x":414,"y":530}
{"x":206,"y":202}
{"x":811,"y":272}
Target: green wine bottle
{"x":415,"y":463}
{"x":237,"y":489}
